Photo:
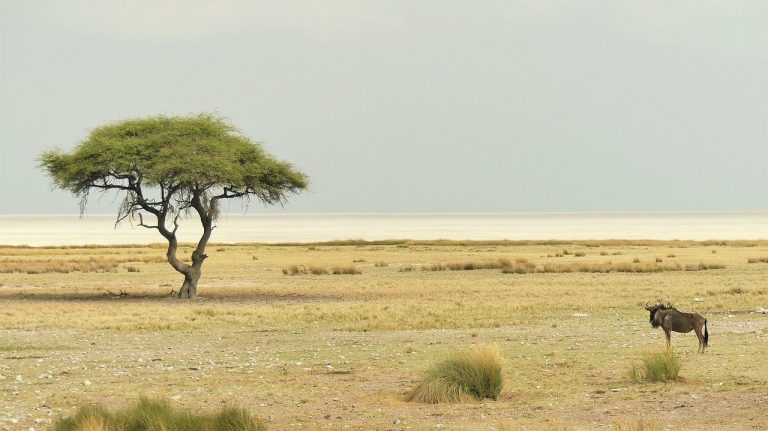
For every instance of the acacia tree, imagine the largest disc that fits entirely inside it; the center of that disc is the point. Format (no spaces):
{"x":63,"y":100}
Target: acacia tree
{"x":168,"y":167}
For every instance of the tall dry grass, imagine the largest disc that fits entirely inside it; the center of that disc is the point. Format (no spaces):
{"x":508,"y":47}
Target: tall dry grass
{"x":157,"y":415}
{"x":319,"y":270}
{"x":606,"y":267}
{"x":657,"y":366}
{"x":68,"y":265}
{"x":467,"y":376}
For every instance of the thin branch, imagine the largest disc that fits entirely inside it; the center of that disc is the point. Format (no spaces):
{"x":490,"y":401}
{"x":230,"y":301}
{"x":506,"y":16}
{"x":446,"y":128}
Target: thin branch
{"x":176,"y":223}
{"x":141,"y":223}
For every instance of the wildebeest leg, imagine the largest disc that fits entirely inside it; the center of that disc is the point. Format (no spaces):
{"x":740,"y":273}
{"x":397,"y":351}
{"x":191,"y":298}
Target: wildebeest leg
{"x":666,"y":325}
{"x":700,"y":336}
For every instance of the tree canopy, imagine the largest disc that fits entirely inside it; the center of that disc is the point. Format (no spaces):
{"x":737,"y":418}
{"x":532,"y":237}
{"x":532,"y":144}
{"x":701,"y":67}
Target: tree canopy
{"x":168,"y":166}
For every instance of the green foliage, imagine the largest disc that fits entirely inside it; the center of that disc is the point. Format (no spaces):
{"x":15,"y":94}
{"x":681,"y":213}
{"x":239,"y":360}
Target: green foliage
{"x":181,"y":155}
{"x":149,"y":414}
{"x":657,"y":366}
{"x":467,"y":376}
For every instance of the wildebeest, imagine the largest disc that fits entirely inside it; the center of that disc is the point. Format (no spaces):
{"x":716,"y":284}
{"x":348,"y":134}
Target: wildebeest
{"x":672,"y":320}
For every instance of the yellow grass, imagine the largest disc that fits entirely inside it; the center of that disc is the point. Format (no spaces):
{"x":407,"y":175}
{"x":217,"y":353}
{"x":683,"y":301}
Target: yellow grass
{"x":324,"y":352}
{"x":471,"y":375}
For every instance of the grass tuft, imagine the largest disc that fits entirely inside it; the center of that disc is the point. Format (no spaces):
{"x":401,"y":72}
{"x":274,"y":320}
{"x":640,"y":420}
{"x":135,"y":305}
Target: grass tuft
{"x":345,"y":270}
{"x":153,"y":414}
{"x":467,"y":376}
{"x":757,"y":260}
{"x":639,"y":425}
{"x":657,"y":366}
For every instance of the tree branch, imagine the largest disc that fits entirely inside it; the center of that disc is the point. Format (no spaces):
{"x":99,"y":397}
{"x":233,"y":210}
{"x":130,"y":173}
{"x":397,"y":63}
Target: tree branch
{"x":141,"y":223}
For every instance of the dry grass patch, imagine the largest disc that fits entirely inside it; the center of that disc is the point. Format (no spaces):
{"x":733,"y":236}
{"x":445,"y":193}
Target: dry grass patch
{"x":468,"y":376}
{"x":606,"y":267}
{"x":639,"y":425}
{"x":73,"y":264}
{"x":467,"y":266}
{"x":319,"y":270}
{"x":657,"y":366}
{"x":151,"y":414}
{"x":345,"y":270}
{"x":757,"y":260}
{"x":64,"y":266}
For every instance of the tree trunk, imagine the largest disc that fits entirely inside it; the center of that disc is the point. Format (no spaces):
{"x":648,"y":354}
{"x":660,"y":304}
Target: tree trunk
{"x":189,"y":288}
{"x":192,"y":272}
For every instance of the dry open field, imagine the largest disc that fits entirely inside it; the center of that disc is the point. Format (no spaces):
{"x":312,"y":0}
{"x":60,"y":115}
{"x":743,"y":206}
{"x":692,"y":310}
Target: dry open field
{"x":339,"y":351}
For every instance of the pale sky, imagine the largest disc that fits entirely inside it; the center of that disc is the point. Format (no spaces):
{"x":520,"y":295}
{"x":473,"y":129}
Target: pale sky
{"x":412,"y":106}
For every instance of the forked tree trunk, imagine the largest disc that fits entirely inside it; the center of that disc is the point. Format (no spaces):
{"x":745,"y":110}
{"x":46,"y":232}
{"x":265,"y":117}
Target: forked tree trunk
{"x":189,"y":288}
{"x":192,"y":272}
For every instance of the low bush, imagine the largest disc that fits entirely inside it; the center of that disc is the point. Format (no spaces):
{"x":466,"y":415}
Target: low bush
{"x":657,"y":366}
{"x":345,"y":270}
{"x":468,"y":376}
{"x":639,"y":425}
{"x":153,"y":414}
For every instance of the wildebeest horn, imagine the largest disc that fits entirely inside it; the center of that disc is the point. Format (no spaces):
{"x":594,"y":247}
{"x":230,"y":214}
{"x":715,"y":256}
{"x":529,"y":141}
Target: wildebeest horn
{"x":647,"y":307}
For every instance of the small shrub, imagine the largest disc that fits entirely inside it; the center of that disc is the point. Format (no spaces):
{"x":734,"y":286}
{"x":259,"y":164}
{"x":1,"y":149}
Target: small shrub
{"x":131,"y":268}
{"x":703,"y":266}
{"x":467,"y":376}
{"x":380,"y":264}
{"x":150,"y":414}
{"x":408,"y":268}
{"x":317,"y":270}
{"x":579,"y":254}
{"x":659,"y":260}
{"x":671,"y":255}
{"x":639,"y":425}
{"x":345,"y":270}
{"x":736,"y":291}
{"x":521,"y":266}
{"x":294,"y":270}
{"x":434,"y":267}
{"x":657,"y":366}
{"x":757,"y":260}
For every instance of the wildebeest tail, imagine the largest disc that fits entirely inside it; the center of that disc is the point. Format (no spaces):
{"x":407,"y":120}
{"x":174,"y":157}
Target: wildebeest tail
{"x":706,"y":334}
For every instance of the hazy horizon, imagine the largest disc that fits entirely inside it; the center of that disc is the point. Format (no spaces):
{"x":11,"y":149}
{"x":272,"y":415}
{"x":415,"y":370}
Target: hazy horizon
{"x":412,"y":106}
{"x":58,"y":230}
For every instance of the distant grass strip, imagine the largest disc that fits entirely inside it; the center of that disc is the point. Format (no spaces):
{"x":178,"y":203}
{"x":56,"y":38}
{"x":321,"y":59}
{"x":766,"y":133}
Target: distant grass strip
{"x":468,"y":376}
{"x":318,"y":270}
{"x":467,"y":266}
{"x":606,"y":267}
{"x":65,"y":266}
{"x":523,"y":266}
{"x":657,"y":366}
{"x":757,"y":260}
{"x":159,"y":415}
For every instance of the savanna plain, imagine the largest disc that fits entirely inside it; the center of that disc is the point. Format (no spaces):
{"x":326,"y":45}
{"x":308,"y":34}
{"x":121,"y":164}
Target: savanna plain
{"x":335,"y":335}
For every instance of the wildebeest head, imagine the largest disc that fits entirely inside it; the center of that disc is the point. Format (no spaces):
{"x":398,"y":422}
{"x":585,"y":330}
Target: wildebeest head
{"x":653,"y":309}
